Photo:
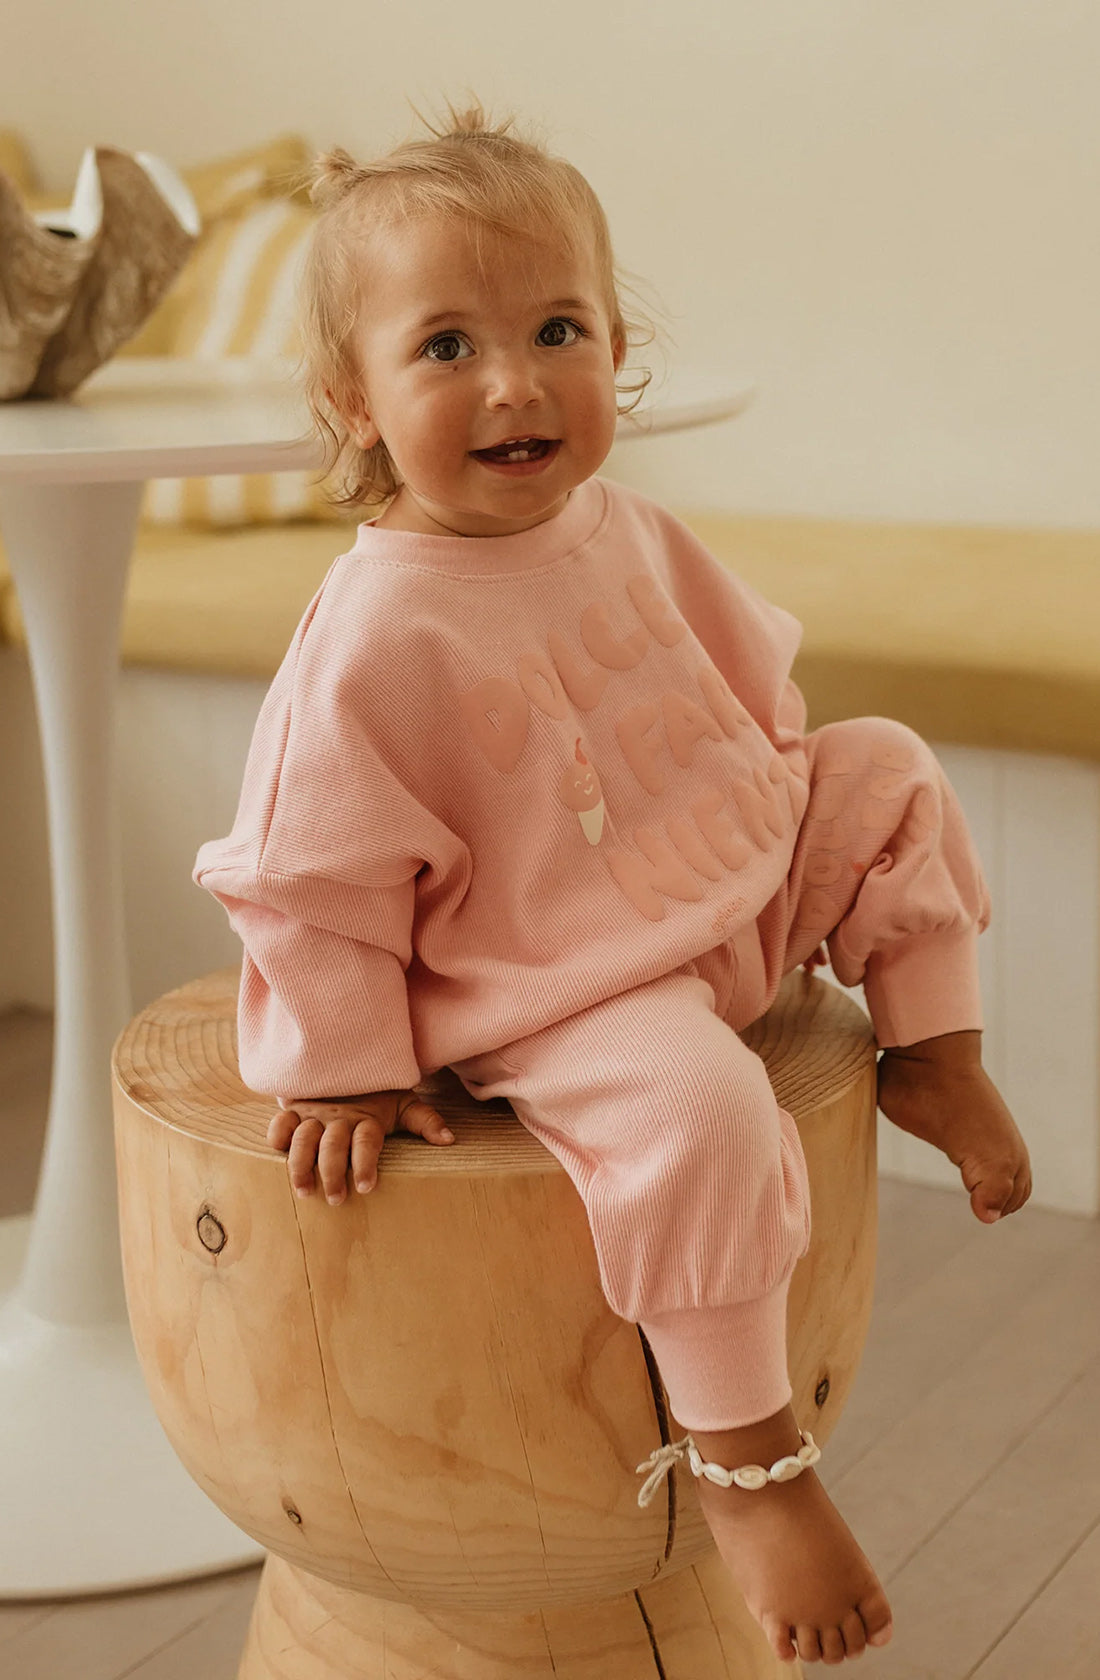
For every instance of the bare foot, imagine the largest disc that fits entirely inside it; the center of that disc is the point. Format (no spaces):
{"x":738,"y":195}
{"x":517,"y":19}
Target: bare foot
{"x":795,"y":1559}
{"x":939,"y":1091}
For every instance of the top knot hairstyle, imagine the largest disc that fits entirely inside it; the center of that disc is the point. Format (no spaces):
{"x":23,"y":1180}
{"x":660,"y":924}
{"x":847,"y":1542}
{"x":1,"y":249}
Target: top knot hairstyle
{"x":468,"y":168}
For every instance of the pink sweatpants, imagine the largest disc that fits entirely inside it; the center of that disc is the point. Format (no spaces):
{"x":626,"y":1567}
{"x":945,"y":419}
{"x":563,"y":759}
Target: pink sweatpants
{"x":693,"y":1178}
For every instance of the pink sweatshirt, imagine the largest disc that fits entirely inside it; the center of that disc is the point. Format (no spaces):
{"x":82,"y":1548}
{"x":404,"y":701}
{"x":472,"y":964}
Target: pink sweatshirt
{"x":496,"y":782}
{"x":489,"y":785}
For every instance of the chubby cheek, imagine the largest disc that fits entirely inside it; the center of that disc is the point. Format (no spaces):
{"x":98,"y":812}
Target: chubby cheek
{"x":595,"y":418}
{"x":429,"y":439}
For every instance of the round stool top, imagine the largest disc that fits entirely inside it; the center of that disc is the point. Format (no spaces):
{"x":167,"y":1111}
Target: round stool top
{"x":177,"y":1060}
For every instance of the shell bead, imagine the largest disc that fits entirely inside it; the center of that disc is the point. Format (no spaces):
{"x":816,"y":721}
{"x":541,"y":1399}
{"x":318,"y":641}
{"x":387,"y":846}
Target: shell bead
{"x":751,"y":1476}
{"x":786,"y":1469}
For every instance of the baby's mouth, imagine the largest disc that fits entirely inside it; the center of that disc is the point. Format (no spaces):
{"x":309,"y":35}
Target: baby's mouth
{"x":518,"y":450}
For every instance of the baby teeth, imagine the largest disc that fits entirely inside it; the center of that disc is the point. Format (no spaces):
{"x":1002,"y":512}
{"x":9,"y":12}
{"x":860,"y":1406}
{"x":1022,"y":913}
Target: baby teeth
{"x":519,"y":451}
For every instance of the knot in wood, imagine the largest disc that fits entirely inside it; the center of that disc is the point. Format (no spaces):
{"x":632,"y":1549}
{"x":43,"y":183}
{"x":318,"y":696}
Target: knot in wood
{"x":821,"y":1392}
{"x":211,"y":1232}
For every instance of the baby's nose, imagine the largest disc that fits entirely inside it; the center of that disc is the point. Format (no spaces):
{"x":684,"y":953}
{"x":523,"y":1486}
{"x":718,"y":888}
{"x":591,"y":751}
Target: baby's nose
{"x":513,"y":384}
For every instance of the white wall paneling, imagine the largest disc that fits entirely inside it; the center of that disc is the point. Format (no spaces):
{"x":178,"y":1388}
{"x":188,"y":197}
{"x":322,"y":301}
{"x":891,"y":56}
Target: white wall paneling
{"x":1036,"y":824}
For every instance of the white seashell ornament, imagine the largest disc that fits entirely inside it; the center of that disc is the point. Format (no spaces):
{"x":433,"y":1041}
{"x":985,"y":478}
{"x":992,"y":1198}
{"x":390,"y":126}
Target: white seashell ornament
{"x":76,"y":284}
{"x":751,"y":1476}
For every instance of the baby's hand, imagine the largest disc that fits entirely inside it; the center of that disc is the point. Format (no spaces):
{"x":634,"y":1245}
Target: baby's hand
{"x":330,"y":1130}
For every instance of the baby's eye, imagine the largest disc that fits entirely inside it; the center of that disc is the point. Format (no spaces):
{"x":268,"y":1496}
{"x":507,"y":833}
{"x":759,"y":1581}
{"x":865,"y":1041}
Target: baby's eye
{"x":559,"y":331}
{"x":447,"y":347}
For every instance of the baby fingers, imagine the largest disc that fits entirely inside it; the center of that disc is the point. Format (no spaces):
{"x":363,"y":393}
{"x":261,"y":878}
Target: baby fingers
{"x":333,"y":1134}
{"x":281,"y":1128}
{"x":366,"y":1140}
{"x":333,"y":1154}
{"x":366,"y":1146}
{"x":303,"y":1153}
{"x":421,"y":1118}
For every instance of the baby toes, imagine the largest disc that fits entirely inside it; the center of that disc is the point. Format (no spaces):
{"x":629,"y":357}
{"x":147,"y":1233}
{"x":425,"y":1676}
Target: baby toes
{"x":780,"y":1638}
{"x":809,"y":1645}
{"x":990,"y":1189}
{"x":779,"y":1634}
{"x":855,"y":1634}
{"x":832,"y":1646}
{"x":988,"y":1212}
{"x":876,"y":1618}
{"x":1021,"y":1190}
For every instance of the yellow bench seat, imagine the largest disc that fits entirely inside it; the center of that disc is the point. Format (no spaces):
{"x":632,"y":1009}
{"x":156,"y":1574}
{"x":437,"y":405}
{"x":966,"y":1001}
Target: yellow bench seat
{"x":978,"y":635}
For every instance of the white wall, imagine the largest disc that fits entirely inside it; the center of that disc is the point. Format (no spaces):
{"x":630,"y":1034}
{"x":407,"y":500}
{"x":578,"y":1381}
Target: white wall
{"x":884,"y":214}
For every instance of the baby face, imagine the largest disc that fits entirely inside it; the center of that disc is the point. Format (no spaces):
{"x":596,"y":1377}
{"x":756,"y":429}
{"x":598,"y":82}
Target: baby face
{"x":491,"y":382}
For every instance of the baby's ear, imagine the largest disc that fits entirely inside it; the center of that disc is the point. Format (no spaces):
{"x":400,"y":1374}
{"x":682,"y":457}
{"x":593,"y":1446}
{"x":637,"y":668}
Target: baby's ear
{"x":618,"y":351}
{"x":359,"y":423}
{"x":365,"y":432}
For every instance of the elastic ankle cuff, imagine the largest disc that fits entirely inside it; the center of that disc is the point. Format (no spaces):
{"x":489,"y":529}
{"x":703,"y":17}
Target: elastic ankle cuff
{"x":924,"y":986}
{"x":724,"y":1367}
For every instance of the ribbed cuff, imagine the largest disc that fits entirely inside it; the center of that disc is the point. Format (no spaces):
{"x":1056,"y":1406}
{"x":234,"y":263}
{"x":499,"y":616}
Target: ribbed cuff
{"x":724,"y":1367}
{"x":923,"y":987}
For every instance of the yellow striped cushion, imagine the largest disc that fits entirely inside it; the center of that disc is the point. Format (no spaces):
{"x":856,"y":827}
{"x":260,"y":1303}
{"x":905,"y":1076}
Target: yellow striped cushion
{"x":242,"y":301}
{"x":231,"y":185}
{"x":15,"y":161}
{"x":227,"y":187}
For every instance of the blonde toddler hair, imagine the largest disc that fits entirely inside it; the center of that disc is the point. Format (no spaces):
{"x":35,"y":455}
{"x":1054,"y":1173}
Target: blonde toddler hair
{"x":470,"y":169}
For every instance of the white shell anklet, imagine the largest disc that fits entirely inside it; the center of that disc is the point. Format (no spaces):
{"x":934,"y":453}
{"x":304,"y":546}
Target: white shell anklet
{"x":750,"y":1476}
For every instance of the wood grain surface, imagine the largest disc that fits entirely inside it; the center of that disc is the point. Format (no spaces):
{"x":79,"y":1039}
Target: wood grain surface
{"x":420,"y":1401}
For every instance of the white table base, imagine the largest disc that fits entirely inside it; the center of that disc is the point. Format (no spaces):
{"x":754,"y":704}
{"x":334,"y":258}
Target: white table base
{"x":94,"y":1498}
{"x":92,"y":1495}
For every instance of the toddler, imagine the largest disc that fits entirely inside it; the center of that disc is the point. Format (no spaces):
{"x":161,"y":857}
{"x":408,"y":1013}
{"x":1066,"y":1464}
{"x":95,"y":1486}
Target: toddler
{"x":531,"y":797}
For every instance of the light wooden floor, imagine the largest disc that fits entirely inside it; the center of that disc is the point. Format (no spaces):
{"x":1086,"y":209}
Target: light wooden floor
{"x":967,"y":1462}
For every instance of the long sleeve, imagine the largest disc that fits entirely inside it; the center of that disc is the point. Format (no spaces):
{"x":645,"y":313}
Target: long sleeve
{"x":318,"y":878}
{"x":323,"y":1009}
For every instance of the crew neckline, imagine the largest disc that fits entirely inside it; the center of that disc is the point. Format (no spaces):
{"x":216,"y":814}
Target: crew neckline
{"x":553,"y":540}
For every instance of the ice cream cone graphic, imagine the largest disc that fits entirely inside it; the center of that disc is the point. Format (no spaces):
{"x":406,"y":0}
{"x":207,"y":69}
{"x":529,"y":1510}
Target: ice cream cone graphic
{"x":580,"y":790}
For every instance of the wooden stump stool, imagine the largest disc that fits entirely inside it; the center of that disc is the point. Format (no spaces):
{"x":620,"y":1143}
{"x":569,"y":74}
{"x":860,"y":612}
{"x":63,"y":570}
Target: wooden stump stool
{"x":420,"y":1401}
